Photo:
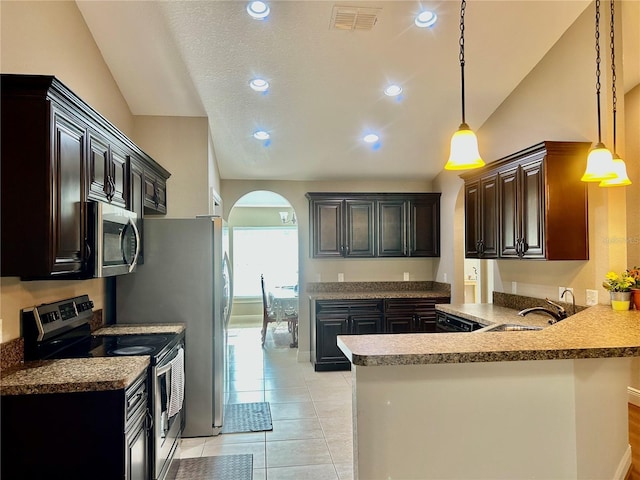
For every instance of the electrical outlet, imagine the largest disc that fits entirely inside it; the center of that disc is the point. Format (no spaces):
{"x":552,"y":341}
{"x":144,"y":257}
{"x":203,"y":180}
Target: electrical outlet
{"x":405,"y":276}
{"x":567,"y":298}
{"x":592,"y":297}
{"x":341,"y":277}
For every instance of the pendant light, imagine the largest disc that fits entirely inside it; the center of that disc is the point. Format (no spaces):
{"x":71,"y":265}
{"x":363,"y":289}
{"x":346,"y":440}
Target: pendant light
{"x":600,"y":160}
{"x":621,"y":179}
{"x":464,"y":152}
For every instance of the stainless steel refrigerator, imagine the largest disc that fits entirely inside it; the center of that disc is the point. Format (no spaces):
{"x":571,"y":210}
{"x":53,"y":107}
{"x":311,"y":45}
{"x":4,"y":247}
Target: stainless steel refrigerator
{"x":186,"y":277}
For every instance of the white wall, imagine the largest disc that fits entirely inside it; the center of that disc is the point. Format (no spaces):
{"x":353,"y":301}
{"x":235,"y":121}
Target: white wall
{"x":181,"y":145}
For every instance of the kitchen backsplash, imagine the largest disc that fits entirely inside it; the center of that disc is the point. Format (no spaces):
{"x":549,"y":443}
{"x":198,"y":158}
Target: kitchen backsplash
{"x":520,"y":302}
{"x":316,"y":287}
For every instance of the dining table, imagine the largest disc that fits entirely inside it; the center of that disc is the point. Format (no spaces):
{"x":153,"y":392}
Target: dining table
{"x":283,"y":302}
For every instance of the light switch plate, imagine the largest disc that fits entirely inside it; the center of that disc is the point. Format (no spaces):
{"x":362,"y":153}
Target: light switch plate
{"x":592,"y":297}
{"x":341,"y":277}
{"x":405,"y":276}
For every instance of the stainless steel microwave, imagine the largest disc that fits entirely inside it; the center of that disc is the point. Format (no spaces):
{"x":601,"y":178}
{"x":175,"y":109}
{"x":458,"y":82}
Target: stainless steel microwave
{"x":116,"y":240}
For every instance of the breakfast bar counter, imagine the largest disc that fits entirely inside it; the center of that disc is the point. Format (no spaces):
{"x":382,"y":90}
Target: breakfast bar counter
{"x":502,"y":405}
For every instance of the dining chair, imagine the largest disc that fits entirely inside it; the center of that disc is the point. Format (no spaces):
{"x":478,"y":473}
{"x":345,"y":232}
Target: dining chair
{"x":269,"y":316}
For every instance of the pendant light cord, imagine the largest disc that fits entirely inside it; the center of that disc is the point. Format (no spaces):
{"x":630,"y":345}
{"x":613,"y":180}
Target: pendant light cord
{"x":463,"y":6}
{"x":598,"y":67}
{"x":613,"y":74}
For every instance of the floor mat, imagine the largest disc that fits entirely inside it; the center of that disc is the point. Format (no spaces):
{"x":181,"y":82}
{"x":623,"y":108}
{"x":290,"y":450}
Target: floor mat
{"x":247,"y":417}
{"x":227,"y":467}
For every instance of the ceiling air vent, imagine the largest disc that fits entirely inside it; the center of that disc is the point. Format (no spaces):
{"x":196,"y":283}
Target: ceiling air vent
{"x":353,"y":18}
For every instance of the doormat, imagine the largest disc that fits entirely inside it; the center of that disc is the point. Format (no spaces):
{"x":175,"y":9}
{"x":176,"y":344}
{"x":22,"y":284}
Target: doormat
{"x":227,"y":467}
{"x":247,"y":417}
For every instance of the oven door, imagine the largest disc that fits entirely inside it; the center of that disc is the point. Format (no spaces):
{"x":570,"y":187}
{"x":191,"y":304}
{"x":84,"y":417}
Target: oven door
{"x":168,"y":378}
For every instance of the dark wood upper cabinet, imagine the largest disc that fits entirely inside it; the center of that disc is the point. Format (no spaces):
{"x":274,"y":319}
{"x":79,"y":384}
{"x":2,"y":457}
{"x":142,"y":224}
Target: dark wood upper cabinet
{"x":541,"y":205}
{"x":58,"y":154}
{"x":424,"y":226}
{"x":374,"y":224}
{"x":481,"y":223}
{"x":342,"y":227}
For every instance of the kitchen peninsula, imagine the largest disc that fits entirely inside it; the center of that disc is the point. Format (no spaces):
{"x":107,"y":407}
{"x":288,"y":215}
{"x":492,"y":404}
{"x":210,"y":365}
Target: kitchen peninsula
{"x":520,"y":404}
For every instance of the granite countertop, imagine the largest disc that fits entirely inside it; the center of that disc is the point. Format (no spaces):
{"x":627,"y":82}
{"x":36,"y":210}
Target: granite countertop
{"x":73,"y":375}
{"x":597,"y":332}
{"x":378,"y":294}
{"x":137,"y":329}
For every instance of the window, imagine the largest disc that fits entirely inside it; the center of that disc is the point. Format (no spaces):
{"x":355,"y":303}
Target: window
{"x":272,"y":251}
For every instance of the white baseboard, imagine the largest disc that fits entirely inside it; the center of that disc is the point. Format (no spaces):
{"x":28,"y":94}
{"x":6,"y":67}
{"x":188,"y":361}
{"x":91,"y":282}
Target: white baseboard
{"x":633,"y":396}
{"x":624,"y":465}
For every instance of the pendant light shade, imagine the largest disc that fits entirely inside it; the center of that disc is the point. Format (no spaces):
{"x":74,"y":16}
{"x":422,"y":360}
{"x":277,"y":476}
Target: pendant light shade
{"x":464,"y":150}
{"x":621,"y":179}
{"x":464,"y":153}
{"x":600,"y":160}
{"x":599,"y":164}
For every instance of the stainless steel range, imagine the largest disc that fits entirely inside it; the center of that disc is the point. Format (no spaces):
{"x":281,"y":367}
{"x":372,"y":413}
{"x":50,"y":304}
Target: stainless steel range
{"x":61,"y":330}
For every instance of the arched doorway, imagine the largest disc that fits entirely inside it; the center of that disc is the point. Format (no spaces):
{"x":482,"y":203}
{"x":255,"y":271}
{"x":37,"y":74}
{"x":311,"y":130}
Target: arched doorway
{"x":263,"y":240}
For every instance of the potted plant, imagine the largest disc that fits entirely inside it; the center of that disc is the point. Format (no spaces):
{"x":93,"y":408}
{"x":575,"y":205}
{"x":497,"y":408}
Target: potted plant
{"x":619,"y":286}
{"x":635,"y":288}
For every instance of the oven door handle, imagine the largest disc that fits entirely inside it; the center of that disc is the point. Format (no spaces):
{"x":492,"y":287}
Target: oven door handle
{"x":164,"y":369}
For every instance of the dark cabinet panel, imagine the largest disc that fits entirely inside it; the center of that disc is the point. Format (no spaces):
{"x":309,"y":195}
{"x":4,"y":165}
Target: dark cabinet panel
{"x":374,"y":224}
{"x":327,"y":240}
{"x":328,"y":328}
{"x":392,"y":233}
{"x":118,"y":176}
{"x":481,"y":223}
{"x":541,"y":204}
{"x":359,"y":228}
{"x":366,"y":323}
{"x":424,"y":222}
{"x":399,"y":323}
{"x":155,"y":193}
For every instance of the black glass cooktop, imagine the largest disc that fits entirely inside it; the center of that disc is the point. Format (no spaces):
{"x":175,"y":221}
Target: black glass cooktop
{"x":123,"y":345}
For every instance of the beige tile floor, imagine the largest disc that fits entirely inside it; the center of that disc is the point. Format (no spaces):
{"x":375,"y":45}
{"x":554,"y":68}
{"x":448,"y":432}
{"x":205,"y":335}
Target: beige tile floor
{"x":311,"y":413}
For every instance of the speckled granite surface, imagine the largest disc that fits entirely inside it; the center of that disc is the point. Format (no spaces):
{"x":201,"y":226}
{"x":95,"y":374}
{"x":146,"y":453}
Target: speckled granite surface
{"x":11,"y":353}
{"x":73,"y":375}
{"x":138,"y":329}
{"x":597,"y":332}
{"x":369,"y":290}
{"x":520,"y":302}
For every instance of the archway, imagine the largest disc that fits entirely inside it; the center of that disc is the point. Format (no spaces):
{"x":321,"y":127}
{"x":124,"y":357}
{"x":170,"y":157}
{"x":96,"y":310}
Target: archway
{"x":263,"y":240}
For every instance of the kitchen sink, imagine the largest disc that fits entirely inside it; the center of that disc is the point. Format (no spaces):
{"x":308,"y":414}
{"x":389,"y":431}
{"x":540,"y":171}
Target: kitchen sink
{"x":512,"y":327}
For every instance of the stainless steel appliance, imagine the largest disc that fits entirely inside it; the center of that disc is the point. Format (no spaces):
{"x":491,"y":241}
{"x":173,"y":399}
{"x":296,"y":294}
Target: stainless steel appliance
{"x":115,"y":244}
{"x":448,"y":324}
{"x":61,"y":330}
{"x":186,"y":279}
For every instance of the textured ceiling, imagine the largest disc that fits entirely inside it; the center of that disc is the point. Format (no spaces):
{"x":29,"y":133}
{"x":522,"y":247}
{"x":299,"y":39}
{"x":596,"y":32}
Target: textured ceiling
{"x":196,"y":58}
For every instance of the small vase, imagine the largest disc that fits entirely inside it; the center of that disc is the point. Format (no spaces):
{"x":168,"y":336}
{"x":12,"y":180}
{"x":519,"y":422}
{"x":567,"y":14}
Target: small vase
{"x":635,"y":297}
{"x":620,"y":300}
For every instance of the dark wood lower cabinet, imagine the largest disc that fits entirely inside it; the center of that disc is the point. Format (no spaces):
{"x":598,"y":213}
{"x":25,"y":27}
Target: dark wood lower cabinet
{"x":358,"y":317}
{"x":76,"y":436}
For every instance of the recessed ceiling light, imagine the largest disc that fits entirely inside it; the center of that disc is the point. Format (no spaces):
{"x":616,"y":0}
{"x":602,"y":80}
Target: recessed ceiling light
{"x":258,"y":10}
{"x":425,"y":19}
{"x":371,"y":138}
{"x":259,"y":85}
{"x":393,"y":90}
{"x":261,"y":135}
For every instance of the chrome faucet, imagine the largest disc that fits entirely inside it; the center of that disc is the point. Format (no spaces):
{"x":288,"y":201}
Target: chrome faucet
{"x":573,"y":299}
{"x":559,"y":314}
